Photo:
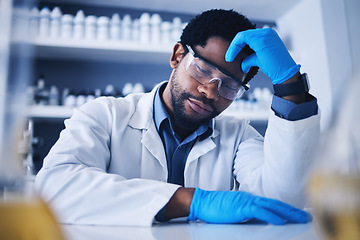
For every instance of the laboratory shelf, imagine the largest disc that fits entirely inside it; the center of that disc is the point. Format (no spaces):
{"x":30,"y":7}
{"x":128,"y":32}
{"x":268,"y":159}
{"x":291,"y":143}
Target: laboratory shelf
{"x":62,"y":112}
{"x":253,"y":115}
{"x":50,"y":112}
{"x":101,"y":50}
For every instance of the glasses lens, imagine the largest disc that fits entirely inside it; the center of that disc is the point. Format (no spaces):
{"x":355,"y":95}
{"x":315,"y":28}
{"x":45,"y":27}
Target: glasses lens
{"x":205,"y":73}
{"x":199,"y":70}
{"x":230,"y":89}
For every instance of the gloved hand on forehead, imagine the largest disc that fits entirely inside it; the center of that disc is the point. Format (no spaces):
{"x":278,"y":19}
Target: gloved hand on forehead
{"x":271,"y":55}
{"x":236,"y":207}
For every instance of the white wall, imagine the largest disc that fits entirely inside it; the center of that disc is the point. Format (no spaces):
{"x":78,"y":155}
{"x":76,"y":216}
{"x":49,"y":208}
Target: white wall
{"x":353,"y":20}
{"x":316,"y":32}
{"x":337,"y":47}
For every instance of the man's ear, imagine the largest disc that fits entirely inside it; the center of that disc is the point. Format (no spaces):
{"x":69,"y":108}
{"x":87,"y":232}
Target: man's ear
{"x":177,"y":55}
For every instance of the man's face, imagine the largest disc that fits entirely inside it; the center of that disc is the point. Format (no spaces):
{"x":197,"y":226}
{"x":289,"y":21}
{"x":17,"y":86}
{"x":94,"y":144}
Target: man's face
{"x":192,"y":103}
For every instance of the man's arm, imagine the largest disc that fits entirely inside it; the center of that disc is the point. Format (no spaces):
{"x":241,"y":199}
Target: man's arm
{"x":179,"y":203}
{"x":283,"y":169}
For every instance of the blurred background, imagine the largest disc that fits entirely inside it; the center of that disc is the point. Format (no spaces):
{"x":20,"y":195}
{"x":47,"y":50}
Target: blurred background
{"x":55,"y":55}
{"x":67,"y":52}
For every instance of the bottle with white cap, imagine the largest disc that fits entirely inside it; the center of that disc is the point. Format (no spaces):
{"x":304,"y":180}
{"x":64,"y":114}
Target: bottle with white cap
{"x":165,"y":32}
{"x":103,"y":28}
{"x":138,"y":88}
{"x":44,"y":22}
{"x":55,"y":22}
{"x":176,"y":29}
{"x":53,"y":96}
{"x":67,"y":26}
{"x":115,"y":27}
{"x":90,"y":96}
{"x":79,"y":25}
{"x":155,"y":22}
{"x":126,"y":28}
{"x":135,"y":30}
{"x":80,"y":99}
{"x":110,"y":90}
{"x":70,"y":100}
{"x":127,"y":89}
{"x":64,"y":95}
{"x":144,"y":27}
{"x":97,"y":93}
{"x":90,"y":27}
{"x":34,"y":22}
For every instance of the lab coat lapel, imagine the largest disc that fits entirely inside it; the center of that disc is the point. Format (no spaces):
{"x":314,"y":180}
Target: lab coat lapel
{"x":200,"y":148}
{"x":143,"y":115}
{"x":152,"y":142}
{"x":143,"y":119}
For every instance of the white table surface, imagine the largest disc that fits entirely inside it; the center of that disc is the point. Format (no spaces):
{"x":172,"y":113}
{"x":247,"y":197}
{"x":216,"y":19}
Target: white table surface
{"x":196,"y":231}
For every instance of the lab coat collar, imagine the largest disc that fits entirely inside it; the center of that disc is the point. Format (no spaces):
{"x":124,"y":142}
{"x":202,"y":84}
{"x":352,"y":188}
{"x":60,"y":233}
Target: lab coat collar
{"x":143,"y":116}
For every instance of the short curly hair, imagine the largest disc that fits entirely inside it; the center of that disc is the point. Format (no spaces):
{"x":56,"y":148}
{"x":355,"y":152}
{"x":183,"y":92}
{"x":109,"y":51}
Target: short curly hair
{"x":217,"y":23}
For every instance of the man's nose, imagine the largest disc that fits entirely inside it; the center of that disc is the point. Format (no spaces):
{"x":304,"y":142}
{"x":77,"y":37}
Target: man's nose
{"x":210,"y":89}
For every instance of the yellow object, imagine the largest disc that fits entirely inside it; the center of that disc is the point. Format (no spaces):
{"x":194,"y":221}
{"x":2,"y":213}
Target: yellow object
{"x":336,"y":204}
{"x":28,"y":219}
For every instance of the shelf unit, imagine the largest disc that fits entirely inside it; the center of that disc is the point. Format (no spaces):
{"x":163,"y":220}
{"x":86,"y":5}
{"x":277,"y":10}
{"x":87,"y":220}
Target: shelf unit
{"x":114,"y":51}
{"x":50,"y":112}
{"x":119,"y":51}
{"x":259,"y":115}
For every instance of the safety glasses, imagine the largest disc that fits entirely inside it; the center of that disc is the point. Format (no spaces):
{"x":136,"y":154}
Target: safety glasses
{"x":205,"y":72}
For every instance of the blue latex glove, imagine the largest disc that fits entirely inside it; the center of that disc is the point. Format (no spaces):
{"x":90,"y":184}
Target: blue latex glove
{"x":271,"y":55}
{"x":236,"y":207}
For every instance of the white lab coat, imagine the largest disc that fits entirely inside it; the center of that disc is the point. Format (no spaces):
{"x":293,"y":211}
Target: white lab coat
{"x":109,"y":166}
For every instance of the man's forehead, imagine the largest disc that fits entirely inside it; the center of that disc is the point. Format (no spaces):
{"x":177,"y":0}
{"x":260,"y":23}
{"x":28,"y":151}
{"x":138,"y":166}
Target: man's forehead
{"x":214,"y":51}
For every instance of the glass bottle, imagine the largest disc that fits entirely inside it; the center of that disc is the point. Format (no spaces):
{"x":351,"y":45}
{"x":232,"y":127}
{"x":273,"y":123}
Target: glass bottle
{"x":115,"y":27}
{"x":90,"y":27}
{"x":155,"y":30}
{"x":44,"y":22}
{"x":144,"y":22}
{"x":126,"y":27}
{"x":67,"y":26}
{"x":55,"y":22}
{"x":34,"y":22}
{"x":79,"y":25}
{"x":103,"y":28}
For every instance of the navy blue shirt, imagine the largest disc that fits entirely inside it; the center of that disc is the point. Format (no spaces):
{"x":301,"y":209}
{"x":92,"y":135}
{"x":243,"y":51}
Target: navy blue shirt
{"x":176,"y":150}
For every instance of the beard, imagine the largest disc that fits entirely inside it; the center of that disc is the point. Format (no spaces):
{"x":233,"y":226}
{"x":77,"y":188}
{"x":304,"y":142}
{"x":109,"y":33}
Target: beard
{"x":178,"y":98}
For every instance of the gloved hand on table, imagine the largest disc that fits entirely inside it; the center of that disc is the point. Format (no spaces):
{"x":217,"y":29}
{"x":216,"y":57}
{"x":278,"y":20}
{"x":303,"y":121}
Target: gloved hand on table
{"x":271,"y":55}
{"x":236,"y":207}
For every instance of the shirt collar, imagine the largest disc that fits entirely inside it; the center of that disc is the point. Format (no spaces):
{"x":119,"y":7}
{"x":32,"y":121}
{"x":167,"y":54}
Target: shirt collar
{"x":161,"y":114}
